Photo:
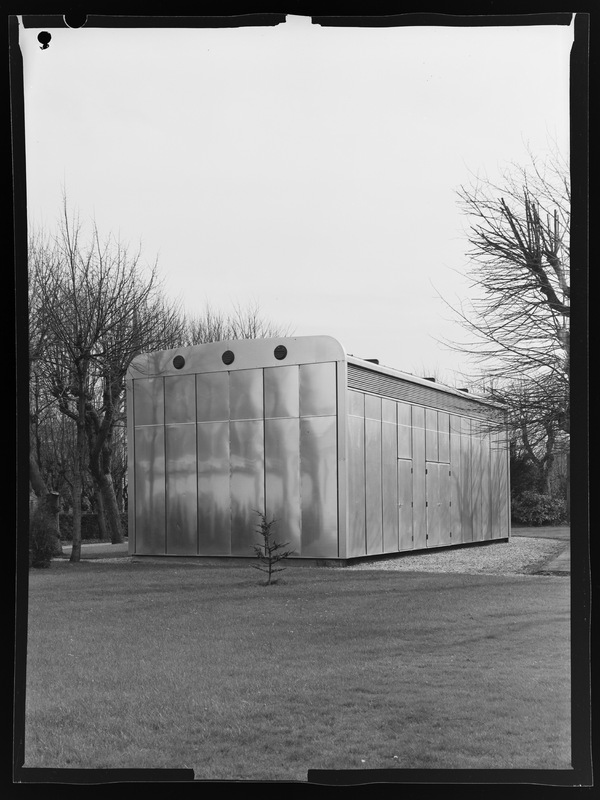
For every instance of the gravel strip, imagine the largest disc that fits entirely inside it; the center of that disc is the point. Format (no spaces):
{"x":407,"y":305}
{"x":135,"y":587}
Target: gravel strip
{"x":518,"y":556}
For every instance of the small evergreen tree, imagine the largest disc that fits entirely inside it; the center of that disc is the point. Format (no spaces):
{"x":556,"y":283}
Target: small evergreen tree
{"x":269,"y":551}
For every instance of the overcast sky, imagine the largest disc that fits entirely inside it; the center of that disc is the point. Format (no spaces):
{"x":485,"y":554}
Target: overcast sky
{"x":311,"y":170}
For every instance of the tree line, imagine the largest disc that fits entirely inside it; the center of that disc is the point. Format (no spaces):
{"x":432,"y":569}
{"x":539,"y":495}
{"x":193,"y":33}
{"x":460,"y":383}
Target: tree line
{"x":93,"y":305}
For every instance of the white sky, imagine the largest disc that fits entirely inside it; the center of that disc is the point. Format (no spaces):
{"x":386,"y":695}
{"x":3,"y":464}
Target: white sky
{"x":312,"y":170}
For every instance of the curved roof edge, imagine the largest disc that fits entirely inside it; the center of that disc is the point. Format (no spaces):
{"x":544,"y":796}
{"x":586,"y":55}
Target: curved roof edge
{"x":232,"y":354}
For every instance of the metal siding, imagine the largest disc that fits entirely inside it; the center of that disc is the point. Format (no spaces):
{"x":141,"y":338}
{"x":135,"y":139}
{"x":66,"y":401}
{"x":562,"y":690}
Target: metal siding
{"x":247,"y":483}
{"x":212,"y":397}
{"x":404,"y":430}
{"x":431,"y":435}
{"x":418,"y":449}
{"x":388,"y":411}
{"x":356,"y":485}
{"x":445,"y":507}
{"x":389,"y":484}
{"x":405,"y":504}
{"x":214,"y":502}
{"x":180,"y":399}
{"x":486,"y":511}
{"x":432,"y":493}
{"x":318,"y":481}
{"x":494,"y":487}
{"x":181,"y":489}
{"x":150,"y":490}
{"x":456,"y":480}
{"x":372,"y":407}
{"x":476,"y":485}
{"x":504,"y":487}
{"x":373,"y":484}
{"x":282,"y":392}
{"x":499,"y":487}
{"x":466,"y":481}
{"x":443,"y":437}
{"x":318,"y":389}
{"x":246,"y":394}
{"x":282,"y":479}
{"x":149,"y":401}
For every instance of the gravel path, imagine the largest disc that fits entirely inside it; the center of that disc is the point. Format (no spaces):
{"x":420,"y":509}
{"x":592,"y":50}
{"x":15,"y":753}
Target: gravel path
{"x":519,"y":556}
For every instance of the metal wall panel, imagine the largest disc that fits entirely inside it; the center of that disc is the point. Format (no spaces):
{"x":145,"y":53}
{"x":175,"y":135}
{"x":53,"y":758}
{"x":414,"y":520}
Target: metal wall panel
{"x":373,"y":483}
{"x":456,"y":491}
{"x":372,"y":407}
{"x":501,"y":487}
{"x":148,"y":401}
{"x":443,"y":437}
{"x":212,"y":393}
{"x":214,"y":502}
{"x":356,"y":404}
{"x":404,"y":430}
{"x":180,"y":399}
{"x":318,"y":390}
{"x":431,"y":435}
{"x":486,"y":511}
{"x":389,"y":483}
{"x":282,"y":479}
{"x":405,"y":504}
{"x":247,"y":483}
{"x":388,"y":410}
{"x":356,"y":484}
{"x":494,"y":486}
{"x":246,"y":394}
{"x":150,"y":490}
{"x":445,"y":507}
{"x":466,"y":481}
{"x":282,"y":394}
{"x":182,"y":488}
{"x":434,"y":502}
{"x":318,"y":481}
{"x":476,"y":483}
{"x":418,"y":449}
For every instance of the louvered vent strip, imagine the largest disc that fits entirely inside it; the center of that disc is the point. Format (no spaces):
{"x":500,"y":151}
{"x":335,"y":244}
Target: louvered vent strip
{"x":366,"y":380}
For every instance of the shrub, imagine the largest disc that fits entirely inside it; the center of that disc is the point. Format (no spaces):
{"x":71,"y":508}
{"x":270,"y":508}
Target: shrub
{"x":42,"y":538}
{"x":534,"y":508}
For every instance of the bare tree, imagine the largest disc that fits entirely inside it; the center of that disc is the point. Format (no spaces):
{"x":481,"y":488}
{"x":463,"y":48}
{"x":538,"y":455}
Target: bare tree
{"x":241,"y":323}
{"x":98,"y":308}
{"x":518,"y":321}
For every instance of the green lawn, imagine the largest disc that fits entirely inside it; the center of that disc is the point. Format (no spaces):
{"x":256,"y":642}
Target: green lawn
{"x":146,"y":665}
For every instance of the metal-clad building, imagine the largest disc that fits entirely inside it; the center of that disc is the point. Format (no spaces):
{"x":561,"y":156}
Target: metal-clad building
{"x":351,"y":458}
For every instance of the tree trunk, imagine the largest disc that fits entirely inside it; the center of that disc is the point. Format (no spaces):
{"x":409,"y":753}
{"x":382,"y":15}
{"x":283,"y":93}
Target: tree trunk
{"x":35,"y":478}
{"x":51,"y":505}
{"x":111,"y":509}
{"x":78,"y":478}
{"x":99,"y":504}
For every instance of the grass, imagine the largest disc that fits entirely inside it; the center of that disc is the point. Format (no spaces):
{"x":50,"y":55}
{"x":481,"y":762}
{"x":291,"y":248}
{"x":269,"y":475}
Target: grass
{"x":146,"y":665}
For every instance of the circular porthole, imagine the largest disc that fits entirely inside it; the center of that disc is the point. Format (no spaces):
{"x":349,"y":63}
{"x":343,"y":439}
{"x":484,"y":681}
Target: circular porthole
{"x":228,"y":357}
{"x":280,"y":352}
{"x":179,"y":362}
